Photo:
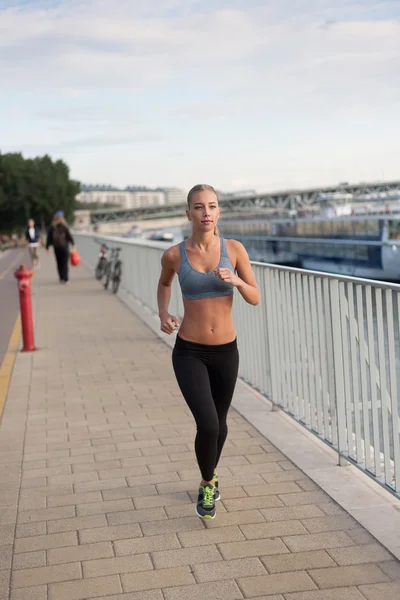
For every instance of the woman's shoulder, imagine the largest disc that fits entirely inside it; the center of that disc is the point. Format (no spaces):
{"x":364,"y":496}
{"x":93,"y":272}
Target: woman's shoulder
{"x":172,"y":255}
{"x":235,"y":246}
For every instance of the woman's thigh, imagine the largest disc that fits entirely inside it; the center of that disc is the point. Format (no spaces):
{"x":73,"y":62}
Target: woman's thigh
{"x":194,"y":382}
{"x":223,"y":373}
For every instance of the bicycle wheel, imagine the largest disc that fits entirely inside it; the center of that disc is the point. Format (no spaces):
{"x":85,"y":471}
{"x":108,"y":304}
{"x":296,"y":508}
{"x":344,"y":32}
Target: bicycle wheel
{"x":99,"y":270}
{"x":107,"y":276}
{"x":116,"y":278}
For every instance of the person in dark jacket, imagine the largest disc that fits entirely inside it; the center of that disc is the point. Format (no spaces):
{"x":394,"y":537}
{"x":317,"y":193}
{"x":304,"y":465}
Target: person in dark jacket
{"x":32,"y":235}
{"x":59,"y":236}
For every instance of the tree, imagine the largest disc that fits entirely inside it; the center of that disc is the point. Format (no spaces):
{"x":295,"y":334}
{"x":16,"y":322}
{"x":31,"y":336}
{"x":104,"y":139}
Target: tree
{"x":34,"y":188}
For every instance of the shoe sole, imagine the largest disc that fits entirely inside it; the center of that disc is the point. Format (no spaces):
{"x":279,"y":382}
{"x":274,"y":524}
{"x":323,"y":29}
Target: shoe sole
{"x":205,"y":516}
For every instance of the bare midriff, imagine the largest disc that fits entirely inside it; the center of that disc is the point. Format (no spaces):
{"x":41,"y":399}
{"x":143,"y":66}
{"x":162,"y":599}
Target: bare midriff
{"x":208,"y":321}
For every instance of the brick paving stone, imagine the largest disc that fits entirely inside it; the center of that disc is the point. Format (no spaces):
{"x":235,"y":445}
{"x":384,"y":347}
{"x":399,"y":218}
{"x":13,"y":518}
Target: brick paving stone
{"x":47,"y":514}
{"x":349,"y":593}
{"x":6,"y":553}
{"x":346,"y":576}
{"x":30,"y":560}
{"x":172,"y":525}
{"x":85,"y":589}
{"x":137,"y":516}
{"x":44,"y":575}
{"x":61,"y":525}
{"x":240,"y":517}
{"x":177,"y":499}
{"x":153,"y":543}
{"x":185,"y":556}
{"x":160,"y":578}
{"x":230,"y":550}
{"x":276,"y":489}
{"x":45,"y":542}
{"x":286,"y":513}
{"x":382,"y":591}
{"x":30,"y":593}
{"x":115,"y":565}
{"x":318,"y":541}
{"x":223,"y":590}
{"x":147,"y":595}
{"x":31,"y":529}
{"x":339,"y":523}
{"x":4,"y":584}
{"x":103,"y":507}
{"x":299,"y":561}
{"x":391,"y":568}
{"x":228,"y":569}
{"x":104,"y":534}
{"x":89,"y":497}
{"x":357,"y":555}
{"x":272,"y":529}
{"x":246,"y":503}
{"x":57,"y":556}
{"x":32,"y":503}
{"x":191,"y":538}
{"x":361,"y":536}
{"x":276,"y":584}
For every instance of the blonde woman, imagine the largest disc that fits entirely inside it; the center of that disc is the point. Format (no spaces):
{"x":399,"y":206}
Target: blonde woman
{"x":205,"y":357}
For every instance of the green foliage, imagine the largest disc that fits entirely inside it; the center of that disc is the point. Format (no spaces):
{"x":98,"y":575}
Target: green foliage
{"x":34,"y":188}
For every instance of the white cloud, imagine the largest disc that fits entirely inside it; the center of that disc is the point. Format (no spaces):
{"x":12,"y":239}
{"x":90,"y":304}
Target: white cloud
{"x":99,"y":73}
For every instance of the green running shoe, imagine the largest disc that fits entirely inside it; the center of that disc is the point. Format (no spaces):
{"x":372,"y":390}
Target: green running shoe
{"x":217,"y":495}
{"x":205,"y":503}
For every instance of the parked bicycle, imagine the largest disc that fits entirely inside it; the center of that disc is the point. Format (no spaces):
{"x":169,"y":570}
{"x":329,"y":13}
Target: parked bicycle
{"x":113,"y":270}
{"x":102,"y":263}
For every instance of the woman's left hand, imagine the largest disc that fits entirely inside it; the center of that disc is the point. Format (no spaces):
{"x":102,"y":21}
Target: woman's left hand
{"x":226,"y":275}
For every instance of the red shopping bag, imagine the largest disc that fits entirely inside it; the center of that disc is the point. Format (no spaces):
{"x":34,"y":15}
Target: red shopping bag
{"x":75,"y":258}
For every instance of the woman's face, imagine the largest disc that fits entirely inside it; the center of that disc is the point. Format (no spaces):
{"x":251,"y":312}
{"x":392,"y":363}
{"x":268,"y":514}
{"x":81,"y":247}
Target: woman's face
{"x":203,"y":211}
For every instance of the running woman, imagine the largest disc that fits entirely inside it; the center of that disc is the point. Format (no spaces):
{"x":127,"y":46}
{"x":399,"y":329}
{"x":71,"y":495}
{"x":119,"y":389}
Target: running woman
{"x":205,"y":356}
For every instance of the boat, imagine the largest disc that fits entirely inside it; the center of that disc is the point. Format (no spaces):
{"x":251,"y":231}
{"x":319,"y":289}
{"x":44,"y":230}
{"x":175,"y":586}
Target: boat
{"x":359,"y":245}
{"x":161,"y":236}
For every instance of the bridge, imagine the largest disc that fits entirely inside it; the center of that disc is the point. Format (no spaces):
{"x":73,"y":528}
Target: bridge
{"x":97,"y":471}
{"x":282,"y":200}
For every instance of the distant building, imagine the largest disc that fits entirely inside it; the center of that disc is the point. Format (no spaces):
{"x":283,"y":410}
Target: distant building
{"x":174,"y":195}
{"x":122,"y":198}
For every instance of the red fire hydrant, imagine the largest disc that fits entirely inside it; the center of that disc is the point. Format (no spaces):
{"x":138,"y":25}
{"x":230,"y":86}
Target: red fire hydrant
{"x":24,"y":276}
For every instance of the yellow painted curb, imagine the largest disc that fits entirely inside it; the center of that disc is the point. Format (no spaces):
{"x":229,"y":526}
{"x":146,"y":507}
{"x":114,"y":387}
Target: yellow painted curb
{"x":8,"y":363}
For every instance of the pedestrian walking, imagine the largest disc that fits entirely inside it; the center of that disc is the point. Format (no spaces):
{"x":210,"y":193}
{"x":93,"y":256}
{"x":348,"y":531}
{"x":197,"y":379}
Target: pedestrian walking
{"x":205,"y":356}
{"x":32,"y":236}
{"x":59,"y":236}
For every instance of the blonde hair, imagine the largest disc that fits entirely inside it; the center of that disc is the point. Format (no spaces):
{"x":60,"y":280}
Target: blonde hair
{"x":59,"y":220}
{"x":202,"y":187}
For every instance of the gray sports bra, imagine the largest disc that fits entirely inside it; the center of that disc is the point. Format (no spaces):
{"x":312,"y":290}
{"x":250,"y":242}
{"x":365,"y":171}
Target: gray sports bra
{"x":195,"y":284}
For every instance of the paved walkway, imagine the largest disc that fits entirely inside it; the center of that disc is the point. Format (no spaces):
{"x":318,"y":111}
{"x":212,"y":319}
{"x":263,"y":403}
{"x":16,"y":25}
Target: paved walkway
{"x":104,"y":509}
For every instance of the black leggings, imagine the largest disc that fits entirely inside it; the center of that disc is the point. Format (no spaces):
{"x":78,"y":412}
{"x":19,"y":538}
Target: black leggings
{"x":207,"y":377}
{"x":62,"y":256}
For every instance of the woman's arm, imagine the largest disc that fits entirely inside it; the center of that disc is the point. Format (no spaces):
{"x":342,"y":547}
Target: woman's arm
{"x":70,"y":238}
{"x":49,"y":241}
{"x":244,"y":281}
{"x":168,"y":269}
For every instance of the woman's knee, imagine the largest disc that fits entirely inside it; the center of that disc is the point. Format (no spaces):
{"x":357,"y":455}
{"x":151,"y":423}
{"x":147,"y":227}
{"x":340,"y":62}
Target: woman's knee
{"x":209,"y":429}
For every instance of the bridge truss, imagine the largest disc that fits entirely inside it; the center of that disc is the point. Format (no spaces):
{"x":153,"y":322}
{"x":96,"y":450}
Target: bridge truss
{"x":291,"y":200}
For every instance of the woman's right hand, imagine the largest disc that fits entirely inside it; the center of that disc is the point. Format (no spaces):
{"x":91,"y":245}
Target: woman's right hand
{"x":168,"y":323}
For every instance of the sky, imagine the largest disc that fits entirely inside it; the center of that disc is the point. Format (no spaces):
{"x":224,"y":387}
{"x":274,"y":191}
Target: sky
{"x":239,"y":94}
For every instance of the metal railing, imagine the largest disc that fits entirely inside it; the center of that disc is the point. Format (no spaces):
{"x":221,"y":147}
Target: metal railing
{"x":323,"y":348}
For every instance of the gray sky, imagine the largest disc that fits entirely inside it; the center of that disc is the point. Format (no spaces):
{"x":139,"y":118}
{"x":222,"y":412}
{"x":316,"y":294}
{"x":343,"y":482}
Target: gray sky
{"x":239,"y":94}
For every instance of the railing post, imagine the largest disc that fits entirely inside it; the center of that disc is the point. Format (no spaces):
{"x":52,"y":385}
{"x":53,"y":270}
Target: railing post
{"x":272,"y":347}
{"x":340,"y":398}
